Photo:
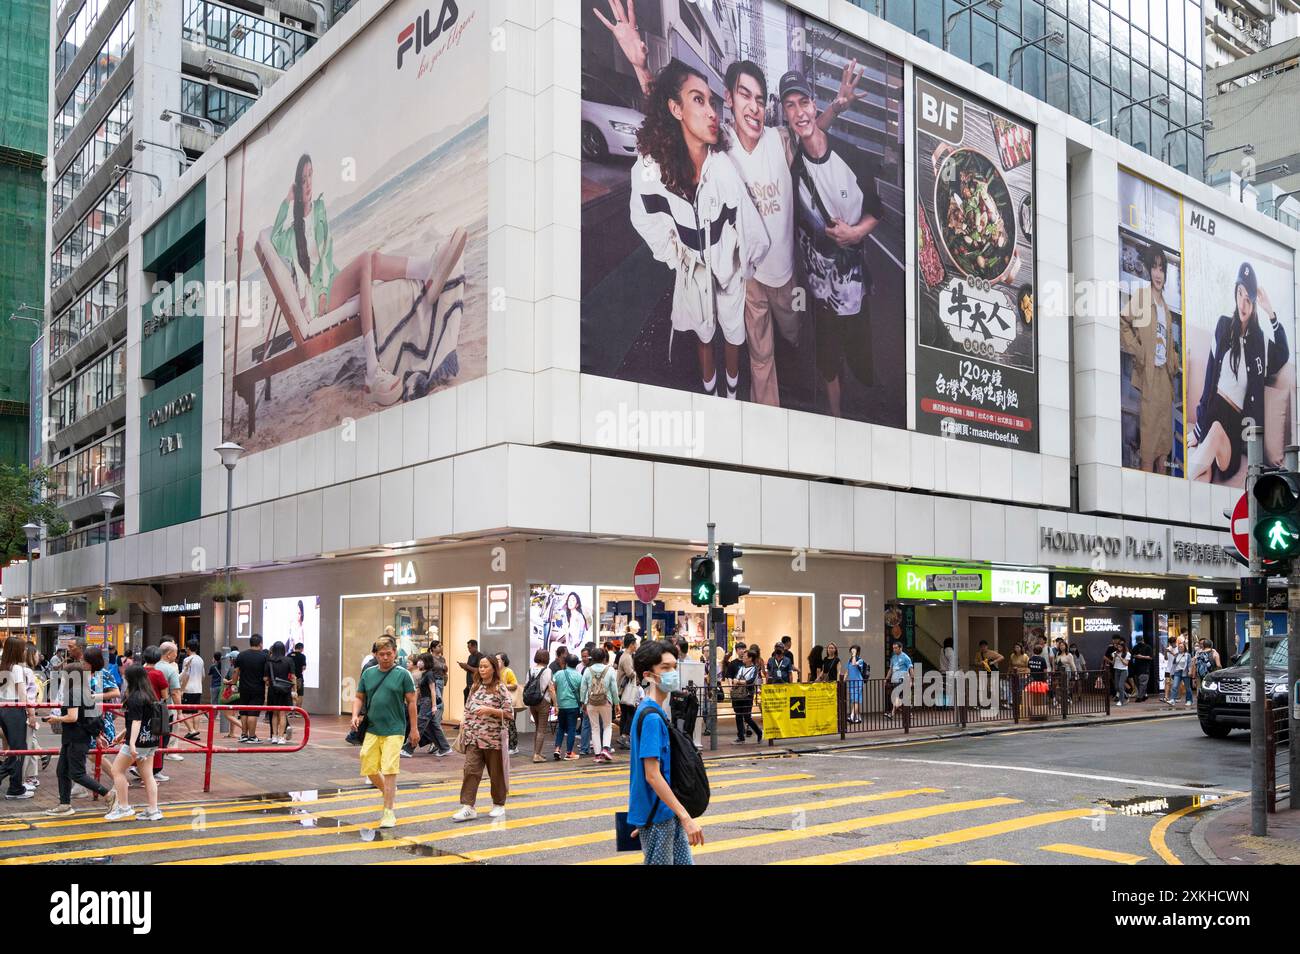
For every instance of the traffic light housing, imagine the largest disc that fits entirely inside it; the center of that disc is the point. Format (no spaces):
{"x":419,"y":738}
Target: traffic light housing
{"x":703,"y":586}
{"x":1277,"y":516}
{"x":730,"y":576}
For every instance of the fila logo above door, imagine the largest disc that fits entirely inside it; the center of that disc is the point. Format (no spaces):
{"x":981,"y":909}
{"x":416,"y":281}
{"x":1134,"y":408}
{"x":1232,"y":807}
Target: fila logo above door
{"x":421,"y":34}
{"x":939,"y":113}
{"x":853,"y":613}
{"x":399,"y":573}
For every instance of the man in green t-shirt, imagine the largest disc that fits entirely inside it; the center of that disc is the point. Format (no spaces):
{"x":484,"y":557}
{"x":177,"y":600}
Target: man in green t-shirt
{"x":387,"y":693}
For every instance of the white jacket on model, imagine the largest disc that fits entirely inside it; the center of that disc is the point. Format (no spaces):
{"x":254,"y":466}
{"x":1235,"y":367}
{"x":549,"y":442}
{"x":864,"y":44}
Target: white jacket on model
{"x":712,"y":245}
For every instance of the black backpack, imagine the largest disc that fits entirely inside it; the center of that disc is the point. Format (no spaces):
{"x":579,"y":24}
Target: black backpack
{"x":533,"y":690}
{"x":688,"y":780}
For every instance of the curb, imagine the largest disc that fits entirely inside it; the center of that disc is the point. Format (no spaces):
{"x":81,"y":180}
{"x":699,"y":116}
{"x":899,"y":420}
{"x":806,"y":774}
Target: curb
{"x":973,"y":733}
{"x":1201,"y":845}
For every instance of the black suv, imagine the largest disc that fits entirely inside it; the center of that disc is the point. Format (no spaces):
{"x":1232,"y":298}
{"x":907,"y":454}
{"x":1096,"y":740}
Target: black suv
{"x":1223,"y":701}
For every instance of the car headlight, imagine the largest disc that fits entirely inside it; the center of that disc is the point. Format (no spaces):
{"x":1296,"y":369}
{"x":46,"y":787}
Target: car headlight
{"x":1210,"y":684}
{"x":625,"y":129}
{"x":1273,"y":690}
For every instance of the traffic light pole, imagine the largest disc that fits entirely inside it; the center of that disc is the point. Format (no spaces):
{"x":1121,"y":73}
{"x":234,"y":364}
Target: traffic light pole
{"x":1255,"y":632}
{"x":1293,"y":644}
{"x":714,"y":682}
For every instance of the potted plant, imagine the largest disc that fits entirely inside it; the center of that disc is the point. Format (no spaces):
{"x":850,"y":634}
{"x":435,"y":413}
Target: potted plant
{"x":220,"y":592}
{"x":110,"y":607}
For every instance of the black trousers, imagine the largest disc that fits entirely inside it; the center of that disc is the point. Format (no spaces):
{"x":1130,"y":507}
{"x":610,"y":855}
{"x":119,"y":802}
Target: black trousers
{"x":744,"y":709}
{"x":625,"y":714}
{"x":72,"y":767}
{"x":14,"y":724}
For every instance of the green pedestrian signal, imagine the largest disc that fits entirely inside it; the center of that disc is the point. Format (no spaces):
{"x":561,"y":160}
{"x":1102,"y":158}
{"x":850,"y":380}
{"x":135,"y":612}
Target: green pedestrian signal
{"x":1277,"y":517}
{"x":703,"y":587}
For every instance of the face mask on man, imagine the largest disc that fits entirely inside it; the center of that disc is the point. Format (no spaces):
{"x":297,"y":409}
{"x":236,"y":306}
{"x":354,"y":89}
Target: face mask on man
{"x":669,"y":681}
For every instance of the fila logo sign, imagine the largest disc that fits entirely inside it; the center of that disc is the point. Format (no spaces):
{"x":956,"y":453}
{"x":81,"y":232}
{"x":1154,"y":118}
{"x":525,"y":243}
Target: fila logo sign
{"x":853,"y":613}
{"x":425,"y":30}
{"x":498,"y":606}
{"x":399,"y":574}
{"x":939,"y":112}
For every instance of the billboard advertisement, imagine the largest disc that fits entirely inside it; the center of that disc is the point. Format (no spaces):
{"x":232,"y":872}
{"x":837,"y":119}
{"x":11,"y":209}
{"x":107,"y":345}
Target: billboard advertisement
{"x":559,"y":615}
{"x":743,"y":221}
{"x":1151,"y":327}
{"x":976,"y":354}
{"x":1240,"y":290}
{"x":356,"y":226}
{"x":292,"y":620}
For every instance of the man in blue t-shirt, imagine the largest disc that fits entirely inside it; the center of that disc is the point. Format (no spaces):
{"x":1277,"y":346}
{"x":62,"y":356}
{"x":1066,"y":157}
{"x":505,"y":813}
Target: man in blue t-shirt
{"x":665,"y":828}
{"x":900,"y":673}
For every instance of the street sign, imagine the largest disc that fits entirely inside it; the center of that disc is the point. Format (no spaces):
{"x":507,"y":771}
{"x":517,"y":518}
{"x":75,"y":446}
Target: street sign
{"x":954,"y":581}
{"x":645,"y":578}
{"x":1241,"y":525}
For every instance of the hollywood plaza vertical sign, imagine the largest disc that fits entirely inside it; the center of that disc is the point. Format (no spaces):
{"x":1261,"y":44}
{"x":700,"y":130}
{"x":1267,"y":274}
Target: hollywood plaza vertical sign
{"x":976,"y":349}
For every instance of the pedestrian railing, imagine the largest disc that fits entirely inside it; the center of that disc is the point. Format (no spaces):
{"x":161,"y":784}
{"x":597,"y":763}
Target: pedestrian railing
{"x":182,"y":715}
{"x":1276,"y":738}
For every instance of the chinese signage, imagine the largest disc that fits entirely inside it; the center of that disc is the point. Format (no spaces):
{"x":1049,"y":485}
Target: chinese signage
{"x":976,"y":353}
{"x":1201,"y":553}
{"x":1082,"y":589}
{"x":185,"y":607}
{"x":999,"y":586}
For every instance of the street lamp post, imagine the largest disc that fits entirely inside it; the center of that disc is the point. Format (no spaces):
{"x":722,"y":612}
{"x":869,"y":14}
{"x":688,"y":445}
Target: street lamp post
{"x":108,"y":502}
{"x":1281,"y":167}
{"x":33,"y":532}
{"x":1053,"y":38}
{"x":1160,"y":98}
{"x":230,"y":453}
{"x":994,"y":5}
{"x":1246,"y":147}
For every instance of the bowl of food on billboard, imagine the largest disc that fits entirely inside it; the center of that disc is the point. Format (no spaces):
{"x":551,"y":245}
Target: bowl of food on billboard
{"x":979,"y":223}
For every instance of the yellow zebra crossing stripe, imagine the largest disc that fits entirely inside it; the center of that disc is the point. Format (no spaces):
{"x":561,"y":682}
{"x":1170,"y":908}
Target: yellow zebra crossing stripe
{"x":601,"y":837}
{"x":957,"y":837}
{"x":1096,"y":854}
{"x":829,"y":828}
{"x":509,"y":824}
{"x":617,"y":790}
{"x":368,"y":794}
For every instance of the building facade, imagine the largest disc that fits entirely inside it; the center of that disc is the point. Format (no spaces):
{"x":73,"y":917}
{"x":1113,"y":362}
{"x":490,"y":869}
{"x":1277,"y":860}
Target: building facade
{"x":137,"y":91}
{"x":24,"y":57}
{"x":469,"y":350}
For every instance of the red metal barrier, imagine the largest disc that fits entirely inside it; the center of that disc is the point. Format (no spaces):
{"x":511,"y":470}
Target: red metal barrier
{"x":194,"y":711}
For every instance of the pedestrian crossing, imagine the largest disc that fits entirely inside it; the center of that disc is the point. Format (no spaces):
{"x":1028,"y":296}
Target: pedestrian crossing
{"x":761,"y":812}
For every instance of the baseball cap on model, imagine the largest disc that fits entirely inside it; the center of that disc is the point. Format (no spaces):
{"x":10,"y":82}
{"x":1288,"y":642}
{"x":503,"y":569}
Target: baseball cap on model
{"x":795,"y":82}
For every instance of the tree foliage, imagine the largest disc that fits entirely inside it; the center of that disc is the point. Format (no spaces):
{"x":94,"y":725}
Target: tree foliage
{"x":23,"y":500}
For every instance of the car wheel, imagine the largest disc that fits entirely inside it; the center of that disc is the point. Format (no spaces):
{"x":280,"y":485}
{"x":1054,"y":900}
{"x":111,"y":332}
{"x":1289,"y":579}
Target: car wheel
{"x":593,"y":143}
{"x":1214,"y":730}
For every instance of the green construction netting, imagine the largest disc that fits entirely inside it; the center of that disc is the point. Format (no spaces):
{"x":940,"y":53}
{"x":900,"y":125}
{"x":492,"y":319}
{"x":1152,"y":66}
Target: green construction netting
{"x":24,"y":66}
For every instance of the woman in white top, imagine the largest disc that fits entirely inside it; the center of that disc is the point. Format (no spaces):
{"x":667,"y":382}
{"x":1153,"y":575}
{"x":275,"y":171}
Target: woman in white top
{"x":17,"y":684}
{"x":1119,"y":667}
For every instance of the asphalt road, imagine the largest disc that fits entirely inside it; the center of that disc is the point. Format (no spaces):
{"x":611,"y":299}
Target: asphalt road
{"x":1103,"y":794}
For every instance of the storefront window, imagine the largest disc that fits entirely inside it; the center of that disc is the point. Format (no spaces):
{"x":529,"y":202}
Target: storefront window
{"x":415,"y":620}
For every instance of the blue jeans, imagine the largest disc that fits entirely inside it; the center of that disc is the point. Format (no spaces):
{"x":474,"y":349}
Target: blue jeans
{"x":566,"y":728}
{"x":666,"y":844}
{"x":1186,"y":680}
{"x":584,"y":745}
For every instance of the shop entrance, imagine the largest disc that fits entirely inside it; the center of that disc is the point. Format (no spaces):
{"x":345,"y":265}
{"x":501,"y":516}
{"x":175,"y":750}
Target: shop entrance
{"x":415,"y":619}
{"x":759,"y":617}
{"x":180,"y":628}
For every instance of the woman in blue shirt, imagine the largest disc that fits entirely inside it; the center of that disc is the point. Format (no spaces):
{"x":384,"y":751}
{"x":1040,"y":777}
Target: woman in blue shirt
{"x":856,"y":672}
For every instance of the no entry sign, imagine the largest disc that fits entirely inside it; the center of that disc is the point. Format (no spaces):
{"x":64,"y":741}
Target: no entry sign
{"x":645,"y":578}
{"x":1241,"y":526}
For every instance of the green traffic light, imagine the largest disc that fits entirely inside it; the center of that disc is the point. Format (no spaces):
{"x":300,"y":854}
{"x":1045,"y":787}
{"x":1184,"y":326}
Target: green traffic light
{"x":1279,"y":536}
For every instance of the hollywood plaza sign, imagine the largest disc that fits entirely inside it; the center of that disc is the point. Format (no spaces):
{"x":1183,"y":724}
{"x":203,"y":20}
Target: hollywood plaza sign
{"x":1095,"y":544}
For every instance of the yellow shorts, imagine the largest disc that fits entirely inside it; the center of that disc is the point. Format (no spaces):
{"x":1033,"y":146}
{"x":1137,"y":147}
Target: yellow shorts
{"x":381,"y":754}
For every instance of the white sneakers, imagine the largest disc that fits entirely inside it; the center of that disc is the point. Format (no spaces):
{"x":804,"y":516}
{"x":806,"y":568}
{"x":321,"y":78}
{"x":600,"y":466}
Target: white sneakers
{"x":388,"y":819}
{"x":174,"y":757}
{"x":466,"y":813}
{"x":498,"y":811}
{"x":120,"y":813}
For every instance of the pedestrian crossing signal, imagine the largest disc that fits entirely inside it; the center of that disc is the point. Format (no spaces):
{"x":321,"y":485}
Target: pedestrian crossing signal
{"x":1277,"y":522}
{"x":703,"y":587}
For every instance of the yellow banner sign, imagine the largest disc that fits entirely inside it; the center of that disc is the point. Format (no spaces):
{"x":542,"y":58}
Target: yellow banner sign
{"x":794,"y":710}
